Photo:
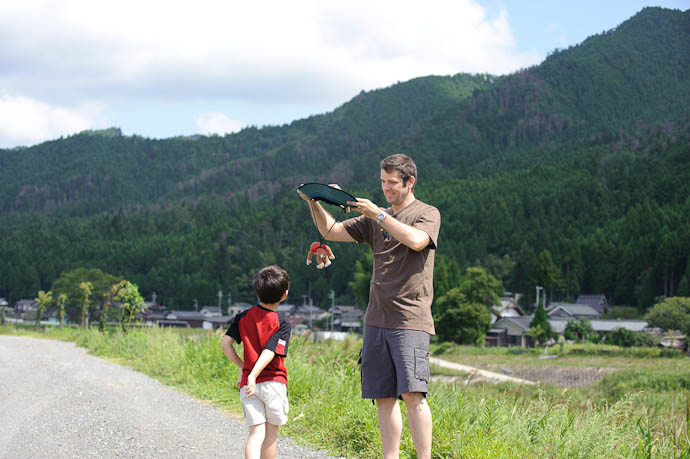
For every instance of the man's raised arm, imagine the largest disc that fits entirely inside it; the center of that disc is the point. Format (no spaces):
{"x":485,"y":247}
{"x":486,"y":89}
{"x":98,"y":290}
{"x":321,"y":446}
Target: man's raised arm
{"x":330,"y":229}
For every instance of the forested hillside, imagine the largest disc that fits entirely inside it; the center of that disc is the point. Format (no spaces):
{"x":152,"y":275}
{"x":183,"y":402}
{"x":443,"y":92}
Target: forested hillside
{"x":577,"y":168}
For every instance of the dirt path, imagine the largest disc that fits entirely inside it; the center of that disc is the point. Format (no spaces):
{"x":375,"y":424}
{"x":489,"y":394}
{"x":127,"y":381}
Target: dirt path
{"x":57,"y":401}
{"x":474,"y":372}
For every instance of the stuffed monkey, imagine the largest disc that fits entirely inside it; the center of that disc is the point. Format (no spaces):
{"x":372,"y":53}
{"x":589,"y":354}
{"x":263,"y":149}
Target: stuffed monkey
{"x":323,"y":253}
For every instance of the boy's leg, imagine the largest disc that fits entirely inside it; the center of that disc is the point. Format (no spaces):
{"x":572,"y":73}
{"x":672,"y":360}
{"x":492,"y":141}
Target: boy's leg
{"x":268,"y":448}
{"x":419,"y":422}
{"x":255,"y":441}
{"x":390,"y":425}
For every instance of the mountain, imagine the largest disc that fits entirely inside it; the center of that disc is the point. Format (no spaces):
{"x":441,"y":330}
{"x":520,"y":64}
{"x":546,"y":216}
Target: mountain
{"x":102,"y":170}
{"x":584,"y":156}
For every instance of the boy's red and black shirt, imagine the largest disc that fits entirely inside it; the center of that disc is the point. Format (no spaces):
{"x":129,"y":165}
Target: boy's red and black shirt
{"x":259,"y":328}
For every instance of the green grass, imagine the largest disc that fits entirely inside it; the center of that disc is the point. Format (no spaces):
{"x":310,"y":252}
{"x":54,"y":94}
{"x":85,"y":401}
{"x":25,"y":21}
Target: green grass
{"x":645,"y":415}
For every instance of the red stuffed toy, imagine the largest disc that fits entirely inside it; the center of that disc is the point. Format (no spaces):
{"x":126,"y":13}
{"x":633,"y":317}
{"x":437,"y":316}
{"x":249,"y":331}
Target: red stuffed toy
{"x":323,"y":253}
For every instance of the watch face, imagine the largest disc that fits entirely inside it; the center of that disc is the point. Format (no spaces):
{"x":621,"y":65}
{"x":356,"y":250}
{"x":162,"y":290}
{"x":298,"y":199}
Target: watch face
{"x":381,"y":216}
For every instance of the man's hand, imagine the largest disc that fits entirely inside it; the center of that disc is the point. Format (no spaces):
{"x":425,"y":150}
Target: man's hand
{"x":366,"y":207}
{"x":303,"y":196}
{"x":306,"y":198}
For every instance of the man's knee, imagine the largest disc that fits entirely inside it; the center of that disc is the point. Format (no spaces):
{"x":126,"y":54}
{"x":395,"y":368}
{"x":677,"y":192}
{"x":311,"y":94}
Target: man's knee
{"x":413,"y":398}
{"x":386,"y":402}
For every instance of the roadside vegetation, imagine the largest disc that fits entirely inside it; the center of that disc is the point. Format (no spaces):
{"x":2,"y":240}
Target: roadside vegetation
{"x":639,"y":411}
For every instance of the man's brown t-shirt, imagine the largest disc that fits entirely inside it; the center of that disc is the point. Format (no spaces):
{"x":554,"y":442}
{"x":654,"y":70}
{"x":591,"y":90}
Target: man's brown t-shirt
{"x":401,"y":288}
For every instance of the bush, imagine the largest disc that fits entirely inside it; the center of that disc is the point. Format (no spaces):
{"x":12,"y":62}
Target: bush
{"x":623,"y":337}
{"x":646,"y":340}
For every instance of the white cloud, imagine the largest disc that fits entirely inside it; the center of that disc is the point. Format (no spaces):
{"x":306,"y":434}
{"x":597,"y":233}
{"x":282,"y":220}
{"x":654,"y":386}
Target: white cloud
{"x":25,"y":121}
{"x":301,"y":49}
{"x":217,"y":123}
{"x":302,"y":52}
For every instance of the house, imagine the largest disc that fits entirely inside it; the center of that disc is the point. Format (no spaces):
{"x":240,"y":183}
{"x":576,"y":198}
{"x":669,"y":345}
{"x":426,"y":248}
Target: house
{"x":674,"y":339}
{"x":347,"y":318}
{"x":211,"y":311}
{"x":508,"y":308}
{"x":596,"y":302}
{"x":311,"y":310}
{"x":154,"y":313}
{"x":193,"y":319}
{"x":215,"y":322}
{"x":23,"y":306}
{"x":607,"y":325}
{"x":512,"y":331}
{"x":351,"y":321}
{"x":236,"y":308}
{"x":286,"y":310}
{"x":572,"y":311}
{"x":509,"y":331}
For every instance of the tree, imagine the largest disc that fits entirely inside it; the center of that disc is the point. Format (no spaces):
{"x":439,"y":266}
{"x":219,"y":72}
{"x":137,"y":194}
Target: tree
{"x":671,"y":314}
{"x":361,"y":278}
{"x":521,"y":280}
{"x":684,"y":284}
{"x":499,"y":267}
{"x":541,"y":323}
{"x":536,"y":333}
{"x":61,"y":300}
{"x":461,"y":321}
{"x":43,"y":299}
{"x":86,"y":289}
{"x":580,"y":329}
{"x":127,"y":293}
{"x":463,"y":314}
{"x":480,"y":287}
{"x":68,"y":283}
{"x":106,"y":307}
{"x":623,"y":337}
{"x":446,"y":275}
{"x":546,"y":273}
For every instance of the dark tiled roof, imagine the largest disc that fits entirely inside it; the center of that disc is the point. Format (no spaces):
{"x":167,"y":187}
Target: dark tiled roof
{"x":596,"y":302}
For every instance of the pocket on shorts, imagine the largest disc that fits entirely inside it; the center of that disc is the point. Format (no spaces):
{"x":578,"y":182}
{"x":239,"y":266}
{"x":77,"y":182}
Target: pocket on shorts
{"x":421,"y":364}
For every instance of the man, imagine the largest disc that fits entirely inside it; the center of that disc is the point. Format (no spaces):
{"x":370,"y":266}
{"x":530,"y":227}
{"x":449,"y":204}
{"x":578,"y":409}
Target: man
{"x":398,"y":321}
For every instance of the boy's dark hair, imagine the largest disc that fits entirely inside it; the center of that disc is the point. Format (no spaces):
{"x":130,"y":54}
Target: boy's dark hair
{"x":401,"y":163}
{"x":270,"y":283}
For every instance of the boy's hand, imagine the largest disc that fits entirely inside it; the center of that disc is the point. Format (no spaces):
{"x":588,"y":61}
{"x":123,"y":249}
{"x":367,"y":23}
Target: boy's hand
{"x":250,"y":388}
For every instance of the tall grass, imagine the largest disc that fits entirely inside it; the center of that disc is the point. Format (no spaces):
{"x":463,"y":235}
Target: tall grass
{"x":480,"y":421}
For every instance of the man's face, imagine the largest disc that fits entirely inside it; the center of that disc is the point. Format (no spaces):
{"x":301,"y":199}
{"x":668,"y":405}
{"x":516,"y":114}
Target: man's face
{"x":393,"y":188}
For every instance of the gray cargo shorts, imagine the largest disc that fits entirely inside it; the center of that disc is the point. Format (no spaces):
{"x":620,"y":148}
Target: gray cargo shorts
{"x":394,"y":362}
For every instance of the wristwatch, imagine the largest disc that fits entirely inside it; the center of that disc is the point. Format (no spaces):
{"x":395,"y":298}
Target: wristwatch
{"x":381,"y":217}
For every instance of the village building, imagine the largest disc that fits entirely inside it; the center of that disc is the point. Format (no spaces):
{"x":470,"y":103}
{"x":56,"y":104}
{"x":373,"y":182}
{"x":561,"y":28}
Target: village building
{"x":572,"y":311}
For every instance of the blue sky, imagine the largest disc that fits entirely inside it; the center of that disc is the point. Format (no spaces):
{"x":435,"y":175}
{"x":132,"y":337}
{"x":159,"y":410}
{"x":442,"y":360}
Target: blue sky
{"x":166,"y":68}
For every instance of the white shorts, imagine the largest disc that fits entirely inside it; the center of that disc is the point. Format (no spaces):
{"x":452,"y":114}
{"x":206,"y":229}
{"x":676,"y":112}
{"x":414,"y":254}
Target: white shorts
{"x":268,"y":404}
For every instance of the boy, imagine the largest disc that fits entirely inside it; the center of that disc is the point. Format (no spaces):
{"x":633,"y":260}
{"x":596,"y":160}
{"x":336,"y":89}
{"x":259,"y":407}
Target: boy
{"x":263,"y":383}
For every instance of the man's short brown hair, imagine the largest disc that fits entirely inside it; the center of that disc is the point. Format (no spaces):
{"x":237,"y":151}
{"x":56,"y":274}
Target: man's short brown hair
{"x":401,"y":163}
{"x":270,"y":283}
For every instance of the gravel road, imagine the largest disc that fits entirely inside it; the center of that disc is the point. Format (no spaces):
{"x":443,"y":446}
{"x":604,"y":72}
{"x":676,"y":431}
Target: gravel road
{"x":57,"y":401}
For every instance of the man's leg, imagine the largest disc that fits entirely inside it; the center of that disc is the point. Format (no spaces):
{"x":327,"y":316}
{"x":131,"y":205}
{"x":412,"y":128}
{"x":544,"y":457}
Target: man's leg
{"x":419,"y":422}
{"x":254,"y":441}
{"x":268,"y":448}
{"x":390,"y":425}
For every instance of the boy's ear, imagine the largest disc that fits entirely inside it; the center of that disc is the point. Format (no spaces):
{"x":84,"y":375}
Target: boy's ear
{"x":285,"y":294}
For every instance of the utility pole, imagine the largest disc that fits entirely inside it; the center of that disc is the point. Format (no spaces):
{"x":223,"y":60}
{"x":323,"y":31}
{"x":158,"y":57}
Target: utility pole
{"x":331,"y":295}
{"x":220,"y":299}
